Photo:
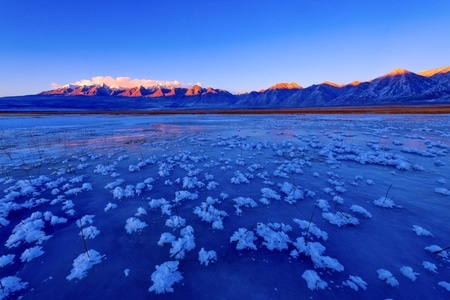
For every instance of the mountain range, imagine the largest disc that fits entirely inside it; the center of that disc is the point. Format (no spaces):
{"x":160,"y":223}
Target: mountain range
{"x":398,"y":87}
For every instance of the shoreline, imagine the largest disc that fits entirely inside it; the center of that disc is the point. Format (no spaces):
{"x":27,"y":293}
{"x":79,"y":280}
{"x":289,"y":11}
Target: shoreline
{"x":437,"y":109}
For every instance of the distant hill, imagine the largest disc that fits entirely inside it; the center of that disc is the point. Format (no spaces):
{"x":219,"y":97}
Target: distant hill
{"x":398,"y":87}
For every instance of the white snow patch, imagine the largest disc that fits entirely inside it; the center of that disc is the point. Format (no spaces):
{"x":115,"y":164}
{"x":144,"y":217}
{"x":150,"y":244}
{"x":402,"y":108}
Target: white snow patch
{"x":313,"y":280}
{"x":206,"y":257}
{"x":437,"y":249}
{"x":140,"y":212}
{"x":388,"y":277}
{"x":243,"y":201}
{"x":166,"y":238}
{"x":165,"y":276}
{"x":420,"y":231}
{"x":185,"y":243}
{"x":360,"y":210}
{"x":355,"y":282}
{"x":409,"y":273}
{"x":83,"y":263}
{"x":11,"y":284}
{"x":272,"y":239}
{"x":175,"y":222}
{"x":7,"y":259}
{"x":340,"y":218}
{"x":134,"y":225}
{"x":31,"y":253}
{"x":445,"y":285}
{"x":110,"y":206}
{"x":429,"y":266}
{"x":442,"y":191}
{"x":385,"y":202}
{"x":245,"y":239}
{"x":311,"y":228}
{"x":208,"y":213}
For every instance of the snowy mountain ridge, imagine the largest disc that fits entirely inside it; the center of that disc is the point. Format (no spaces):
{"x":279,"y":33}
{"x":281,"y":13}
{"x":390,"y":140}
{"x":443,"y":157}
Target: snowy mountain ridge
{"x":398,"y":87}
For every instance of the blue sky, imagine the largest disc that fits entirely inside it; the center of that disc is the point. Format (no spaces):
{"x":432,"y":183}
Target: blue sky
{"x":235,"y":45}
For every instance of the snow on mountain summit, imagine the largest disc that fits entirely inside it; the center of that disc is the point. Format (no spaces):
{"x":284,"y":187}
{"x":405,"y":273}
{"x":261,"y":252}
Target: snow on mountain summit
{"x":333,"y":84}
{"x":432,"y":72}
{"x":397,"y":71}
{"x":285,"y":86}
{"x":397,"y":86}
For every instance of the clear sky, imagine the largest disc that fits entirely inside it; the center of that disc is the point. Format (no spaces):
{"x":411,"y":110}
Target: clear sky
{"x":231,"y":44}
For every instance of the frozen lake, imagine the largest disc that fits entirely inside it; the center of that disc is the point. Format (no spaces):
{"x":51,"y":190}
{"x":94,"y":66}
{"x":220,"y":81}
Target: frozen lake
{"x":225,"y":207}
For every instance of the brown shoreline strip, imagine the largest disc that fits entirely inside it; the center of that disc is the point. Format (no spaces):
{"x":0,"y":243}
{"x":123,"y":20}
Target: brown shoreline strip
{"x":435,"y":109}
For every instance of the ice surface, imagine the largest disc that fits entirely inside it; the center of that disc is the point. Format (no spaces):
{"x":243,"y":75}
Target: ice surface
{"x":246,"y":185}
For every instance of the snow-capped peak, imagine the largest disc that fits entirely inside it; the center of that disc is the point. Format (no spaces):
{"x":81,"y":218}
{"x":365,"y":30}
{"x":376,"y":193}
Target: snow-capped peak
{"x":333,"y":84}
{"x":396,"y":72}
{"x":429,"y":73}
{"x":285,"y":86}
{"x":355,"y":83}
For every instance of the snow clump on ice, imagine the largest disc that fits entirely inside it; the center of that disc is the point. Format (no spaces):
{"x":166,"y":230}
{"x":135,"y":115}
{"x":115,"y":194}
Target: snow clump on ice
{"x":409,"y":273}
{"x":272,"y":239}
{"x":313,"y":280}
{"x":429,"y":266}
{"x":340,"y":218}
{"x":360,"y":210}
{"x":420,"y":231}
{"x":11,"y":284}
{"x":388,"y":277}
{"x":445,"y":285}
{"x":7,"y":259}
{"x":355,"y":282}
{"x":31,"y":253}
{"x":311,"y":229}
{"x":206,"y":257}
{"x":134,"y":225}
{"x":185,"y":243}
{"x":165,"y":276}
{"x":385,"y":202}
{"x":83,"y":263}
{"x":245,"y":239}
